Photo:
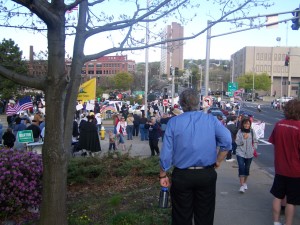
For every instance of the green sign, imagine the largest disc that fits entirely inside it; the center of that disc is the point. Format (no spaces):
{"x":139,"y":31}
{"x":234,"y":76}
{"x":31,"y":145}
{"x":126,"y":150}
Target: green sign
{"x":232,"y":87}
{"x":25,"y":136}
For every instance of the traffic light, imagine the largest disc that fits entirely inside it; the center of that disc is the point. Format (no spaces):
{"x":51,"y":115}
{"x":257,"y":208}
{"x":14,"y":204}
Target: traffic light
{"x":296,"y":21}
{"x":176,"y":71}
{"x":287,"y":60}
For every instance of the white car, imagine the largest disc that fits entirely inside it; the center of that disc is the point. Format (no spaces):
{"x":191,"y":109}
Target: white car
{"x":284,"y":99}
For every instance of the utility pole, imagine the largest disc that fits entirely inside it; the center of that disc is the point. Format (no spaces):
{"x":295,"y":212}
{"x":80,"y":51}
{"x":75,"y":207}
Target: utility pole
{"x":208,"y":37}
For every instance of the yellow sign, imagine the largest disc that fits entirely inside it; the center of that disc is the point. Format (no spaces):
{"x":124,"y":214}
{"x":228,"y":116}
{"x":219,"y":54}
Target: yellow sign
{"x":87,"y":91}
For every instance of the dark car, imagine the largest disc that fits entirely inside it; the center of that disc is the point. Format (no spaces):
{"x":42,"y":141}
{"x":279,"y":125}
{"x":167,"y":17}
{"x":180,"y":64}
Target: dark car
{"x":218,"y":113}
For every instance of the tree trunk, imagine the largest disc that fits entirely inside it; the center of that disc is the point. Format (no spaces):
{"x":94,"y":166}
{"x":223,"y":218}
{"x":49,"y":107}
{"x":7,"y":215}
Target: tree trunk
{"x":57,"y":132}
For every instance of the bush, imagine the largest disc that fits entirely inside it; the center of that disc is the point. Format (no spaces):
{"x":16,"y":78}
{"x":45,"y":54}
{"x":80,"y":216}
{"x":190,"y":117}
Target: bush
{"x":20,"y":181}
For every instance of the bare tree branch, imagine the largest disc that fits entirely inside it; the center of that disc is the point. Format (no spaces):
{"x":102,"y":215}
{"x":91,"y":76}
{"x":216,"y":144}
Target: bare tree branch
{"x":25,"y":80}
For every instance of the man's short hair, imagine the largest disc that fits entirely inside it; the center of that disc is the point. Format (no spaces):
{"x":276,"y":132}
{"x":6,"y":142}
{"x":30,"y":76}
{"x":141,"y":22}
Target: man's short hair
{"x":189,"y":100}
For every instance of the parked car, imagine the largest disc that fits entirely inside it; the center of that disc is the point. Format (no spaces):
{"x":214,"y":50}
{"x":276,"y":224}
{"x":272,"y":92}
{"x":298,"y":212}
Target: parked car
{"x":284,"y":99}
{"x":216,"y":113}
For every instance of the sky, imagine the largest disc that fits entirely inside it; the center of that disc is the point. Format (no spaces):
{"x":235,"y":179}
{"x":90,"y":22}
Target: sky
{"x":221,"y":47}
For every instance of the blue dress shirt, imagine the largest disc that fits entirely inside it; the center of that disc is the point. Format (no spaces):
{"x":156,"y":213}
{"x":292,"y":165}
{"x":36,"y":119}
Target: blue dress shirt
{"x":191,"y":139}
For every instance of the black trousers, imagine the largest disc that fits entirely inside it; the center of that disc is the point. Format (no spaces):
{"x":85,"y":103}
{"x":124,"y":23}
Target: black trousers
{"x":135,"y":131}
{"x":193,"y":194}
{"x":154,"y":146}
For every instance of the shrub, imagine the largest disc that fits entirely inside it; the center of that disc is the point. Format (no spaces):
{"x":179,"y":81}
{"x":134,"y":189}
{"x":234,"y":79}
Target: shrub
{"x":20,"y":181}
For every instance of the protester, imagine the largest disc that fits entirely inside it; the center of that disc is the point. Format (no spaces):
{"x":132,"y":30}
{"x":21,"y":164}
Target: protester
{"x":121,"y":132}
{"x":88,"y":137}
{"x":143,"y":131}
{"x":19,"y":126}
{"x":190,"y":144}
{"x":136,"y":124}
{"x":36,"y":131}
{"x":153,"y":127}
{"x":246,"y":143}
{"x":231,"y":126}
{"x":129,"y":127}
{"x":9,"y":138}
{"x":286,"y":140}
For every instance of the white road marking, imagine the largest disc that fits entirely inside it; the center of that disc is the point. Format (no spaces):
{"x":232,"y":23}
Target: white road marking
{"x":266,"y":142}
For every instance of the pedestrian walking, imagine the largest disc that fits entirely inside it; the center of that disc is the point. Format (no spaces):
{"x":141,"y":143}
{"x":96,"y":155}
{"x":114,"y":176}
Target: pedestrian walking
{"x":121,"y":132}
{"x":286,"y":140}
{"x":153,"y":127}
{"x":190,"y":144}
{"x":246,"y":143}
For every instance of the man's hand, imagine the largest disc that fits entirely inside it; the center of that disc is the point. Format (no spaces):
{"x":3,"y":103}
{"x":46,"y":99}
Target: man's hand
{"x":164,"y":182}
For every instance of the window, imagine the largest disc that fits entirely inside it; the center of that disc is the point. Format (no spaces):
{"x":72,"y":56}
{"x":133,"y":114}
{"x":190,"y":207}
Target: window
{"x":279,"y":57}
{"x":257,"y":56}
{"x":275,"y":57}
{"x":266,"y":57}
{"x":98,"y":65}
{"x":91,"y":65}
{"x":269,"y":57}
{"x":261,"y":56}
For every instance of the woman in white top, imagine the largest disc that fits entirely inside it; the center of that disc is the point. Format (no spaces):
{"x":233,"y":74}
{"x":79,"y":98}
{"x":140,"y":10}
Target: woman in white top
{"x":121,"y":132}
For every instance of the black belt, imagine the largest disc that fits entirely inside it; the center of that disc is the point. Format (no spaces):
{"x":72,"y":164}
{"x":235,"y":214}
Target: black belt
{"x":200,"y":167}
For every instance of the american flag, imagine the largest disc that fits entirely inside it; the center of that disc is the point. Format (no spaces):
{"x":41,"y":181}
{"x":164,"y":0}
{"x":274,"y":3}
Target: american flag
{"x":23,"y":104}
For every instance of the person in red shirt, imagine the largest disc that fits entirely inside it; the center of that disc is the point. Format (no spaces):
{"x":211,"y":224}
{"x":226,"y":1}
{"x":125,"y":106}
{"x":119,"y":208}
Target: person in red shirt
{"x":286,"y":140}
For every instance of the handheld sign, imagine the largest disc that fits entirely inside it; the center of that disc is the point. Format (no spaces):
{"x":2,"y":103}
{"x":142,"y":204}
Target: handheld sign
{"x":25,"y":136}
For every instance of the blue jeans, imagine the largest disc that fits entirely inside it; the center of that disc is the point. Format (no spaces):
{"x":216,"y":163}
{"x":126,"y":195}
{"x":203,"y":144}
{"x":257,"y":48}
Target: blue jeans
{"x":129,"y":129}
{"x":244,"y":166}
{"x":142,"y":132}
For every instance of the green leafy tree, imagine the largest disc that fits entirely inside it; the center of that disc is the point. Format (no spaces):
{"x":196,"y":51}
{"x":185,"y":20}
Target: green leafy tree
{"x":261,"y":81}
{"x":102,"y":20}
{"x":123,"y":81}
{"x":10,"y":58}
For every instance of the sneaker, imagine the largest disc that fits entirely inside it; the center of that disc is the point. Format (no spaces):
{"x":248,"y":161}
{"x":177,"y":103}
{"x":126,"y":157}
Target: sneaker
{"x":245,"y":186}
{"x":242,"y":189}
{"x":230,"y":160}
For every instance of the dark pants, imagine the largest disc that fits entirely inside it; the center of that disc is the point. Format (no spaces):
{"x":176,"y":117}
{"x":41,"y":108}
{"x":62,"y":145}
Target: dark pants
{"x":112,"y":146}
{"x":232,"y":151}
{"x":154,"y":146}
{"x":193,"y":194}
{"x":135,"y":131}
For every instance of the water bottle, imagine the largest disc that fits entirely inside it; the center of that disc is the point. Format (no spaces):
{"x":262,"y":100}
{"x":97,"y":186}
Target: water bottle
{"x":164,"y":197}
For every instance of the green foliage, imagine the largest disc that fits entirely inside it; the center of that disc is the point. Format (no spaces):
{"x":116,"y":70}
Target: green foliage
{"x":123,"y":80}
{"x":115,"y":200}
{"x":81,"y":170}
{"x":11,"y":58}
{"x":261,"y":81}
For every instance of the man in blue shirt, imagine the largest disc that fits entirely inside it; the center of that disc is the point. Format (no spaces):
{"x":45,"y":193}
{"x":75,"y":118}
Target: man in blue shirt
{"x":190,"y":146}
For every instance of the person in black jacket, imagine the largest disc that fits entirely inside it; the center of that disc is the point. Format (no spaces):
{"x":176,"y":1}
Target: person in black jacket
{"x":9,"y":138}
{"x":136,"y":124}
{"x":154,"y":135}
{"x":232,"y":127}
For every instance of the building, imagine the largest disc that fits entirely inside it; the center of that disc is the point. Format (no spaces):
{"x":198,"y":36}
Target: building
{"x":172,"y":52}
{"x":271,"y":60}
{"x":107,"y":66}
